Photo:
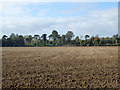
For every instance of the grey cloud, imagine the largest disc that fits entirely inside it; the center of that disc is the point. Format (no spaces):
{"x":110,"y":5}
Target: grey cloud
{"x":102,"y":22}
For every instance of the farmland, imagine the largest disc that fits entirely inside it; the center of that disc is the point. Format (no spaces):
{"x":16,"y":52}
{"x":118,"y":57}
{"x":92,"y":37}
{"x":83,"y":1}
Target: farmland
{"x":60,"y":67}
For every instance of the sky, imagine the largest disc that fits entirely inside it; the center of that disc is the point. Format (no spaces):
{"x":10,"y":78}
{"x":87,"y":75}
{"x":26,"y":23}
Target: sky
{"x":93,"y":18}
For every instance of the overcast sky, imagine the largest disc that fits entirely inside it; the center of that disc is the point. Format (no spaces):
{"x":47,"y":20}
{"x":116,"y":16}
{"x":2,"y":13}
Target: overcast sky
{"x":82,"y":18}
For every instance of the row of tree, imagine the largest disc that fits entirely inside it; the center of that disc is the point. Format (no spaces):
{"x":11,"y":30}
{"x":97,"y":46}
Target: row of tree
{"x":54,"y":39}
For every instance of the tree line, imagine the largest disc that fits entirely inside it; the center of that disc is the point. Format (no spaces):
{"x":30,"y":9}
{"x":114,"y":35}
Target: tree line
{"x":55,"y":39}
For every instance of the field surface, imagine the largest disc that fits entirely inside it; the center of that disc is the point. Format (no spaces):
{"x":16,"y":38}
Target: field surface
{"x":60,"y":67}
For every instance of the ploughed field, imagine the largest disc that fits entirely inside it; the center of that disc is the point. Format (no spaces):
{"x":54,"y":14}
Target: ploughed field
{"x":60,"y":67}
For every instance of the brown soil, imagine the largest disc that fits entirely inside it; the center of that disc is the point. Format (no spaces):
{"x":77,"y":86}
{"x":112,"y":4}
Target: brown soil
{"x":60,"y":67}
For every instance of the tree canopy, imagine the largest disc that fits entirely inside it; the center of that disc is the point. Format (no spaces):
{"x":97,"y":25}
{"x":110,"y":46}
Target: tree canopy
{"x":55,"y":39}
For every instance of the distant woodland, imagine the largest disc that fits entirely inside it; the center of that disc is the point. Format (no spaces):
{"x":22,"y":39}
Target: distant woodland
{"x":55,"y":39}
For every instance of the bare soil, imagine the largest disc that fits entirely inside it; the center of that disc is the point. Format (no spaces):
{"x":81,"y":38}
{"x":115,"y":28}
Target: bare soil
{"x":60,"y":67}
